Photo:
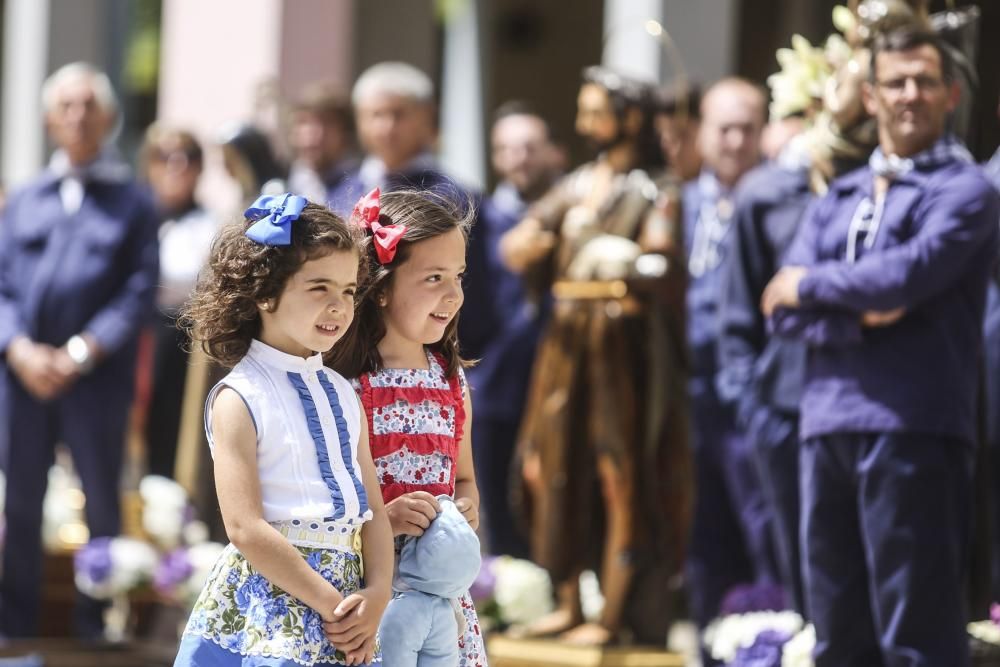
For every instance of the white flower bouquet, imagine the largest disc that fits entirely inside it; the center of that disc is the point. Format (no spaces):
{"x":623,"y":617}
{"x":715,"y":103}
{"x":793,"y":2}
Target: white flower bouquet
{"x":175,"y":560}
{"x":510,"y":591}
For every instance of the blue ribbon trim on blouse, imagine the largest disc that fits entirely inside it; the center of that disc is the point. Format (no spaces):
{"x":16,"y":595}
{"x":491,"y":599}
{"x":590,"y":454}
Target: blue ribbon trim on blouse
{"x":345,"y":441}
{"x":322,"y":455}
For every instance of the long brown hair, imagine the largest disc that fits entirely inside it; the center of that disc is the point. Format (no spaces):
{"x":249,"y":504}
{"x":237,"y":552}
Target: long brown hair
{"x":426,"y":215}
{"x":222,"y":314}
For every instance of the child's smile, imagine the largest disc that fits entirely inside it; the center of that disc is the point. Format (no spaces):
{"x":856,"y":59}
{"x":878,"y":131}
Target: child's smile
{"x":316,"y":308}
{"x":329,"y":330}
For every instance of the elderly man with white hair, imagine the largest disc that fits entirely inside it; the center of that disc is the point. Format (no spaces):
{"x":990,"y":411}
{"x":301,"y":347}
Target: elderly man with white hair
{"x":394,"y":112}
{"x":78,"y":270}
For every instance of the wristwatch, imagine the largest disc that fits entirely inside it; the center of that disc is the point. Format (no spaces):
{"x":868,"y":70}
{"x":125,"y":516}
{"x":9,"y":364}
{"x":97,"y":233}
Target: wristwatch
{"x":79,"y":352}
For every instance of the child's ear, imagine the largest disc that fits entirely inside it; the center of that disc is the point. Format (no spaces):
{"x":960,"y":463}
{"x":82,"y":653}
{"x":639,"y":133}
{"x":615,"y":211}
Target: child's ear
{"x":266,"y":306}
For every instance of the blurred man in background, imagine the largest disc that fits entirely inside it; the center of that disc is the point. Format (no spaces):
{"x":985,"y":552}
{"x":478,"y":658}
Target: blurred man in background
{"x":322,"y":142}
{"x":78,"y":274}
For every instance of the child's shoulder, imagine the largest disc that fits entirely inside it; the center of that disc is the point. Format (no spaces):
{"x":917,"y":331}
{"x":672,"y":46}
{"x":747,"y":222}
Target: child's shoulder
{"x":242,"y":378}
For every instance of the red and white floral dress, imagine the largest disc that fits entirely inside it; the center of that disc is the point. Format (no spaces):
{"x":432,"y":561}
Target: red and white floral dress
{"x":415,"y":424}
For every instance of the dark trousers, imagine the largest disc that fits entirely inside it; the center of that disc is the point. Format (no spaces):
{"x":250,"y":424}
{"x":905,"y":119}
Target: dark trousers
{"x":991,"y":354}
{"x":170,"y":364}
{"x":886,"y":521}
{"x":731,"y":530}
{"x":93,"y":426}
{"x":774,"y":436}
{"x":493,"y":451}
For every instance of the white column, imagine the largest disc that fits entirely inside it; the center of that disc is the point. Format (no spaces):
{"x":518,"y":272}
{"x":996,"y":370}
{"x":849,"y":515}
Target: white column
{"x":26,"y":47}
{"x":628,"y":48}
{"x":462,"y":135}
{"x":705,"y":34}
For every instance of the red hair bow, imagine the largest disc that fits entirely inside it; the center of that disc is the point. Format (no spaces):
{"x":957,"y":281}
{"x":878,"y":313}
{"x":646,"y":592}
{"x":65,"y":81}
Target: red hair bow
{"x":386,"y":237}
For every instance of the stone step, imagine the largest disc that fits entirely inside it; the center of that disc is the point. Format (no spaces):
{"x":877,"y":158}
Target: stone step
{"x":507,"y":652}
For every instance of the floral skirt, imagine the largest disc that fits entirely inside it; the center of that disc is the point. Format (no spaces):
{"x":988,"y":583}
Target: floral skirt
{"x":240,"y":618}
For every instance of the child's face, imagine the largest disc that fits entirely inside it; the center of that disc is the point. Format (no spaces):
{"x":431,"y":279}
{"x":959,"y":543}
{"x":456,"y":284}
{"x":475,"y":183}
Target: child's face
{"x":426,"y":290}
{"x":316,"y":307}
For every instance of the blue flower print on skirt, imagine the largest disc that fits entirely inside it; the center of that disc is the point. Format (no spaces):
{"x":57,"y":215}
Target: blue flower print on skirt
{"x":240,"y":618}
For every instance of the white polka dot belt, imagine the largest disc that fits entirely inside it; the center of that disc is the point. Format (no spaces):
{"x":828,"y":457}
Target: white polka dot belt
{"x":321,"y":534}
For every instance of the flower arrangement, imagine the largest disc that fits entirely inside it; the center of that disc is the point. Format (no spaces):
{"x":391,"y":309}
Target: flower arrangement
{"x":798,"y":651}
{"x":174,"y":558}
{"x":754,"y":638}
{"x":110,"y":566}
{"x":984,"y":638}
{"x":510,"y":591}
{"x":182,"y":573}
{"x":798,"y":87}
{"x":756,"y":630}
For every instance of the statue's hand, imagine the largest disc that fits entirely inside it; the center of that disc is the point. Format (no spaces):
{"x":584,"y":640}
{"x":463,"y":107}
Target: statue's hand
{"x":525,"y":245}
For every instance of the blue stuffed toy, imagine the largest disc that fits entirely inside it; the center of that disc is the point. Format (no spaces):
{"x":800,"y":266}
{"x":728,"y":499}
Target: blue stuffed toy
{"x":423,"y":621}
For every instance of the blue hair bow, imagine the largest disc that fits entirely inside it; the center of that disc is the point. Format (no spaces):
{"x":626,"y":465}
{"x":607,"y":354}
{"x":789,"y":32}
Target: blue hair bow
{"x":274,"y":215}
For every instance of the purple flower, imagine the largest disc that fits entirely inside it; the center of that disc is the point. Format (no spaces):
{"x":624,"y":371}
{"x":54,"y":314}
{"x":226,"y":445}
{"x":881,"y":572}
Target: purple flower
{"x":745,"y":598}
{"x":764,"y":652}
{"x":482,"y":588}
{"x":94,"y":560}
{"x":995,"y":613}
{"x":174,"y":568}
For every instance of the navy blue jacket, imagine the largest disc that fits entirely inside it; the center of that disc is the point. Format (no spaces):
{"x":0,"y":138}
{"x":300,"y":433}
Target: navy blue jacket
{"x":94,"y":271}
{"x":500,"y":380}
{"x":933,"y":256}
{"x":346,"y":192}
{"x":755,"y":368}
{"x":702,"y":295}
{"x":991,"y":332}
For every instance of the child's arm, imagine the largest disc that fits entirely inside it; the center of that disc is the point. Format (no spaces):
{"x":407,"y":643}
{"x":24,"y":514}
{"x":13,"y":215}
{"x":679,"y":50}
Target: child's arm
{"x":466,"y":491}
{"x":238,"y":487}
{"x":358,"y":616}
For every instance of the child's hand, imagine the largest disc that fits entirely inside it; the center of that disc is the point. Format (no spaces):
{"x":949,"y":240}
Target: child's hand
{"x":363,"y":655}
{"x":356,"y":620}
{"x":332,"y":600}
{"x":469,"y":511}
{"x":411,"y":513}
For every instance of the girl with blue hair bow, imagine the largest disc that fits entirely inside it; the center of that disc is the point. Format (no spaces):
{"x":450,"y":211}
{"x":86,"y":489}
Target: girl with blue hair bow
{"x":310,"y":538}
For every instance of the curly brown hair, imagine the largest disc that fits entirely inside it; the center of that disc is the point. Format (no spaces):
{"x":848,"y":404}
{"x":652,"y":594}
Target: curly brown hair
{"x":222,"y":314}
{"x":426,"y":214}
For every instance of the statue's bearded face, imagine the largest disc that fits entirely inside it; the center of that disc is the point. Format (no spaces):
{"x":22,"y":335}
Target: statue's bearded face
{"x":596,"y":119}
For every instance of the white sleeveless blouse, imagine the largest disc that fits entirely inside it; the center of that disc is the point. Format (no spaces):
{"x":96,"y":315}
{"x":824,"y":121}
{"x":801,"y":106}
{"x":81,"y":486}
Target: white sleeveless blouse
{"x":307,"y":419}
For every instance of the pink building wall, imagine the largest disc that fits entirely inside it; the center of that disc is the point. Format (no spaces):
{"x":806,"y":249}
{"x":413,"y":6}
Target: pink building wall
{"x":216,"y":56}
